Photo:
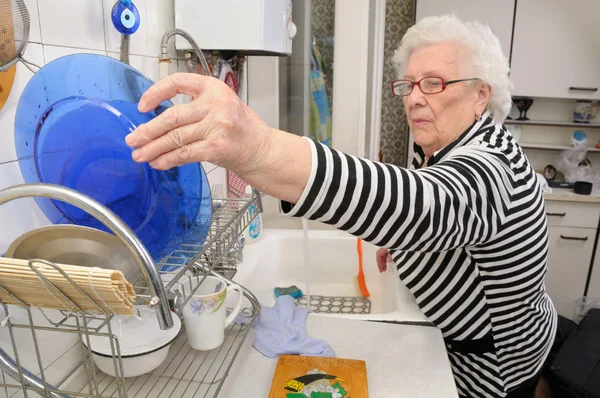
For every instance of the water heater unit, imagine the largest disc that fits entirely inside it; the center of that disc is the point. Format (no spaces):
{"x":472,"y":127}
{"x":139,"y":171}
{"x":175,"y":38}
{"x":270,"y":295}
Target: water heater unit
{"x":256,"y":27}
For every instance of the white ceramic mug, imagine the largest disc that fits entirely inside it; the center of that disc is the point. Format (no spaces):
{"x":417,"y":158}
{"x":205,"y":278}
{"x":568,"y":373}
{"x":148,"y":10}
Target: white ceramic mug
{"x":204,"y":314}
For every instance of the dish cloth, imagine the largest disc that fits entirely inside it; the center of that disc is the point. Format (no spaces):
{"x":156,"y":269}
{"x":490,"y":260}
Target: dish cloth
{"x":281,"y":330}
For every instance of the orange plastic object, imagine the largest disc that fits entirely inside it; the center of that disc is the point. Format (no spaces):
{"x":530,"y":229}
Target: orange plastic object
{"x":361,"y":276}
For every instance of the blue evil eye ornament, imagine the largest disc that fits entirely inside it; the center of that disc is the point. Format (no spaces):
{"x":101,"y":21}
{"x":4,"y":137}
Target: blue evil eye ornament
{"x":125,"y":17}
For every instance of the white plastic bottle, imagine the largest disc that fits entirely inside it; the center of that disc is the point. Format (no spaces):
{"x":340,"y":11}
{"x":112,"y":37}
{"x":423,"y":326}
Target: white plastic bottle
{"x":254,"y":232}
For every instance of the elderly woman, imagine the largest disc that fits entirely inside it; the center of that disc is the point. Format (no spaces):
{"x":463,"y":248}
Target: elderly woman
{"x":465,"y":229}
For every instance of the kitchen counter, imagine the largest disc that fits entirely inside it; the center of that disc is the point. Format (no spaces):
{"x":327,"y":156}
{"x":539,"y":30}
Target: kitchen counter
{"x":565,"y":194}
{"x":402,"y":360}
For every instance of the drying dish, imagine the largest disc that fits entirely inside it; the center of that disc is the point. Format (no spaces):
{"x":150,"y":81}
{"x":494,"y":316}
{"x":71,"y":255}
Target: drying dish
{"x":70,"y":129}
{"x":143,"y":345}
{"x":76,"y":245}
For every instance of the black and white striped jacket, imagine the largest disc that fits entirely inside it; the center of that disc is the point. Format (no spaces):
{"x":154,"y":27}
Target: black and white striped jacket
{"x":469,"y":238}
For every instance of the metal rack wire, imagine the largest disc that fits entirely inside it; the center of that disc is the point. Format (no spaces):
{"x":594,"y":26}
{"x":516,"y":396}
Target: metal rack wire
{"x":185,"y":372}
{"x":186,"y":267}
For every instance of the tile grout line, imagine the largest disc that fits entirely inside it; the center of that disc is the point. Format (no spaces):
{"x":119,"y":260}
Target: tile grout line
{"x":37,"y":3}
{"x":104,"y":27}
{"x":70,"y":47}
{"x":39,"y":21}
{"x":94,"y":49}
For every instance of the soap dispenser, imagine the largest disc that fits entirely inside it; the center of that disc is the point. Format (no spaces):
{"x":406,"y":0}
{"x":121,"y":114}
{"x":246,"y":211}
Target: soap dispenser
{"x":254,"y":231}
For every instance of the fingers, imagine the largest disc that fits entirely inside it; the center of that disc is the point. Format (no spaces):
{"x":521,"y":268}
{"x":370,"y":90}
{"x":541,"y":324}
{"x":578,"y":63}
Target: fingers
{"x":174,"y":117}
{"x":179,"y":83}
{"x":173,"y":140}
{"x":194,"y":152}
{"x":381,"y":256}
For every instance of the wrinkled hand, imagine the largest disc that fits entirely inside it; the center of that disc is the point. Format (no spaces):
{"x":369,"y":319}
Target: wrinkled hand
{"x":216,"y":126}
{"x":383,"y":258}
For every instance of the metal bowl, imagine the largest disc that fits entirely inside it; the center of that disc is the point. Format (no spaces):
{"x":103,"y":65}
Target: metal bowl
{"x":76,"y":245}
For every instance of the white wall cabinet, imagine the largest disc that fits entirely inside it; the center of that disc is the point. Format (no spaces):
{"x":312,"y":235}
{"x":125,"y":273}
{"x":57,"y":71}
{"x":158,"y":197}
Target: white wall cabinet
{"x":498,"y":15}
{"x":555,"y":50}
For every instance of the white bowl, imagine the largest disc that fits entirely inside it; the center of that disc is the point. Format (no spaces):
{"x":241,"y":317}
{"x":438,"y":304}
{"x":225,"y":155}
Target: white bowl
{"x":143,"y":345}
{"x":133,"y":366}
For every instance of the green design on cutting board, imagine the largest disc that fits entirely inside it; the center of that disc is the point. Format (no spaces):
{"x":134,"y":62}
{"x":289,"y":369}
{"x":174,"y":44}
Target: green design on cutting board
{"x":316,"y":384}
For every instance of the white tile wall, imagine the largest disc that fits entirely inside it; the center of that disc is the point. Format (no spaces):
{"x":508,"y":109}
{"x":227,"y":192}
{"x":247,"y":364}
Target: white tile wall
{"x":147,"y":65}
{"x":33,"y":53}
{"x":18,"y":216}
{"x":73,"y":23}
{"x":35,"y":35}
{"x":54,"y":52}
{"x":217,"y":176}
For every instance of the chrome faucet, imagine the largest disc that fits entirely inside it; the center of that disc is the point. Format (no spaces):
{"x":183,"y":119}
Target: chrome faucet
{"x":238,"y":249}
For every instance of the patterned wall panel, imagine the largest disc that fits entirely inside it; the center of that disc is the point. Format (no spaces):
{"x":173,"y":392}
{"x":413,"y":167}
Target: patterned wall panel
{"x":322,"y":26}
{"x":399,"y":16}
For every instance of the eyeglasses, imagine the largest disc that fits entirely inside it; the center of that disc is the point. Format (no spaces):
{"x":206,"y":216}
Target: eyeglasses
{"x":427,"y":85}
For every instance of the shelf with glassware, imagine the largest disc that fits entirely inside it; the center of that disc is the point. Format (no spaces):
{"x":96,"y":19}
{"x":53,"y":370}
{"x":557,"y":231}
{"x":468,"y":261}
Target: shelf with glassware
{"x":583,"y":112}
{"x":552,"y":124}
{"x":541,"y":137}
{"x":537,"y":133}
{"x":553,"y":147}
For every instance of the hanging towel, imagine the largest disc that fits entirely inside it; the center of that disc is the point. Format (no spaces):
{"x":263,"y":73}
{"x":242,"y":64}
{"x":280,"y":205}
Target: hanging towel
{"x":320,"y":113}
{"x":281,"y":329}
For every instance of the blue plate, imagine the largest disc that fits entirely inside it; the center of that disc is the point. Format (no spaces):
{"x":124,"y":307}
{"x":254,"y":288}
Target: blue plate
{"x":70,"y":129}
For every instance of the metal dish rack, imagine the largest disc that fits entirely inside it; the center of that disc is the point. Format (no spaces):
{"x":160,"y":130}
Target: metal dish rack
{"x":185,"y":372}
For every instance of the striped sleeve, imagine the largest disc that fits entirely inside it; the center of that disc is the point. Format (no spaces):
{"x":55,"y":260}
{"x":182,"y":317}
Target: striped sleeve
{"x":438,"y":208}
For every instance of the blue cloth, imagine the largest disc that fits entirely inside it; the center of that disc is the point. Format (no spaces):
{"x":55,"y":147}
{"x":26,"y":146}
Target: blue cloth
{"x":281,"y":330}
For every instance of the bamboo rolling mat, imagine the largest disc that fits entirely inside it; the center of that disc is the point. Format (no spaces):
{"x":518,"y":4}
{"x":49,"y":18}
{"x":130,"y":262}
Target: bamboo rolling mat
{"x":106,"y":287}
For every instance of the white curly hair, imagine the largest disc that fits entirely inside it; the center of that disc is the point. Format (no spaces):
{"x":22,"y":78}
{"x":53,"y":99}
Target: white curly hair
{"x":487,"y":62}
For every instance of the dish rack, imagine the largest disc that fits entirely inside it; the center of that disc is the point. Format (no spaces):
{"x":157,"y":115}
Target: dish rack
{"x":185,"y":372}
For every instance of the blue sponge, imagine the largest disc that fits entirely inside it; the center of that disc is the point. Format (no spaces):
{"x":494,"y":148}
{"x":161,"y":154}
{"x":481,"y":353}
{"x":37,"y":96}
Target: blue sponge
{"x":290,"y":291}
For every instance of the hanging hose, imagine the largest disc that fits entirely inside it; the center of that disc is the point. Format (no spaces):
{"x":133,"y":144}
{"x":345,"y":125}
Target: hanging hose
{"x":164,"y":56}
{"x":125,"y":49}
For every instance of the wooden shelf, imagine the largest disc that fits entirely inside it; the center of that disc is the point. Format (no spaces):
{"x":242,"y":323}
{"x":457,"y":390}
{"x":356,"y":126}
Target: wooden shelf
{"x":555,"y":147}
{"x":582,"y":126}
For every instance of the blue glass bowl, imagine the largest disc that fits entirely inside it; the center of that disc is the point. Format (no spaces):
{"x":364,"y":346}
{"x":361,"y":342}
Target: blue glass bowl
{"x":70,"y":129}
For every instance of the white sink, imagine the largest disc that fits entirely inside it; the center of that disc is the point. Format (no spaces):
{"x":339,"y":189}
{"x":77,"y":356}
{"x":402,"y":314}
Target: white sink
{"x":277,"y":261}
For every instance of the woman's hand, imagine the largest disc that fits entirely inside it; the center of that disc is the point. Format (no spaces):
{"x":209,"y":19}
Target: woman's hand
{"x":383,"y":258}
{"x":217,"y":127}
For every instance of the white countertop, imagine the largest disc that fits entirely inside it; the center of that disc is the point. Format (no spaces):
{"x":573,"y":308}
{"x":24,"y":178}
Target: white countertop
{"x":568,"y":195}
{"x":402,"y":360}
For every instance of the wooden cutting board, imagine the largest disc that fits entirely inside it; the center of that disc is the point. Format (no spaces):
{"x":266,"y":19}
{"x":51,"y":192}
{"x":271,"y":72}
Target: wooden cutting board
{"x":301,"y":376}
